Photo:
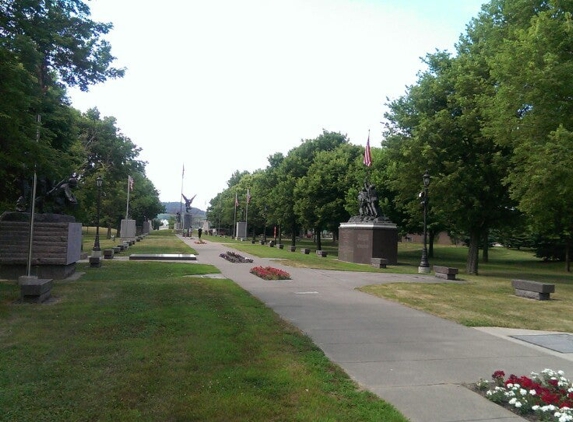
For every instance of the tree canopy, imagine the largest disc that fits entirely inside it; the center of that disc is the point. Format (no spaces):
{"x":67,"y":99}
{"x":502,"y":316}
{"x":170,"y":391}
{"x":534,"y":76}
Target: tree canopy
{"x":45,"y":47}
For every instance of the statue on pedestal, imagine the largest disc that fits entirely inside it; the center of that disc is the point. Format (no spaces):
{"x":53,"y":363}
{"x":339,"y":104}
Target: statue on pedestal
{"x":188,"y":203}
{"x":368,"y":205}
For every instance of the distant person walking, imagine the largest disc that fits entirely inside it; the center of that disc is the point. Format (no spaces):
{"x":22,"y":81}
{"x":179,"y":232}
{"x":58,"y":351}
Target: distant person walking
{"x":199,"y":232}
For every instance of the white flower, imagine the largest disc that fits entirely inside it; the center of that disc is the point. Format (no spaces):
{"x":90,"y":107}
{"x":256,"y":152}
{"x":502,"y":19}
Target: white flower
{"x":512,"y":401}
{"x":518,"y":404}
{"x":523,"y":392}
{"x":532,"y":392}
{"x":535,"y":407}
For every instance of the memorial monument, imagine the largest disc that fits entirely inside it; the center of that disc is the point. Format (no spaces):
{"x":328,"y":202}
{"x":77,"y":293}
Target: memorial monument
{"x":369,"y":235}
{"x":187,"y":218}
{"x":50,"y":244}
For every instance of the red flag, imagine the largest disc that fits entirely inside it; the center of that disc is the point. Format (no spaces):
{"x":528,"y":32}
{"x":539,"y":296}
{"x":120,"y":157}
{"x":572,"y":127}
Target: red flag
{"x":130,"y":182}
{"x":367,"y":154}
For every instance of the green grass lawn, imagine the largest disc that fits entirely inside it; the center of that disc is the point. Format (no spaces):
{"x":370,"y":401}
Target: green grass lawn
{"x":156,"y":341}
{"x":161,"y":241}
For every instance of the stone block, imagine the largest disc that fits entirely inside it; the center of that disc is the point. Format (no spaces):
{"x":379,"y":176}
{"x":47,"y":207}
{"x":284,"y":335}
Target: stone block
{"x":446,"y":273}
{"x":35,"y":290}
{"x":95,"y":261}
{"x":108,"y":253}
{"x":305,"y":251}
{"x":379,"y":262}
{"x":533,"y":289}
{"x":322,"y":253}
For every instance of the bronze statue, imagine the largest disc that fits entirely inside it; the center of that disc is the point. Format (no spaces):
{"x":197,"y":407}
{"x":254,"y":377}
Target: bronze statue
{"x":52,"y":199}
{"x":188,"y":203}
{"x":368,"y":205}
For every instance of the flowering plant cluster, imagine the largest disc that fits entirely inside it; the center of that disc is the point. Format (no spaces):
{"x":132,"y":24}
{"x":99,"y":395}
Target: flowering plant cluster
{"x":547,"y":395}
{"x":270,"y":273}
{"x":235,"y":257}
{"x":200,"y":242}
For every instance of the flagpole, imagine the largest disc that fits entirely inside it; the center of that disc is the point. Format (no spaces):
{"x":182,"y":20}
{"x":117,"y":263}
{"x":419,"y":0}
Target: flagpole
{"x":247,"y":213}
{"x":33,"y":204}
{"x":127,"y":207}
{"x":181,"y":196}
{"x":235,"y":217}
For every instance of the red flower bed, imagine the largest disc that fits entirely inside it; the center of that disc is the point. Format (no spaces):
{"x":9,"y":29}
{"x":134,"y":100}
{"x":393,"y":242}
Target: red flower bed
{"x":270,"y":273}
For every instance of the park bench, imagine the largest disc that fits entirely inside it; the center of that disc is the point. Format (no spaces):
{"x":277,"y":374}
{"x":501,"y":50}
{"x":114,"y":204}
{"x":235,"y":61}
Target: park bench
{"x":533,"y":289}
{"x":379,"y":262}
{"x":447,"y":273}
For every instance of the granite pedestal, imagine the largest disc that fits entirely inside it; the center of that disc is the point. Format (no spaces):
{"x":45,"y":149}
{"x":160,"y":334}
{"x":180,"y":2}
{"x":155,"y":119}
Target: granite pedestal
{"x":359,"y":242}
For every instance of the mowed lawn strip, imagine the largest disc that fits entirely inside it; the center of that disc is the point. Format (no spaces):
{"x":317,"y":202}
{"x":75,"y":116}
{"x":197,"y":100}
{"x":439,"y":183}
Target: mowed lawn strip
{"x":158,"y":241}
{"x":488,"y":300}
{"x":150,"y":341}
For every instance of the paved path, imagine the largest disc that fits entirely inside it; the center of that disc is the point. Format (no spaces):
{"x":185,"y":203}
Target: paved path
{"x":415,"y":361}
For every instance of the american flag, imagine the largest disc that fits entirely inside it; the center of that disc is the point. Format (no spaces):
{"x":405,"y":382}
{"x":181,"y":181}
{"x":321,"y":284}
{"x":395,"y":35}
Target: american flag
{"x":367,"y":154}
{"x":248,"y":196}
{"x":130,"y":182}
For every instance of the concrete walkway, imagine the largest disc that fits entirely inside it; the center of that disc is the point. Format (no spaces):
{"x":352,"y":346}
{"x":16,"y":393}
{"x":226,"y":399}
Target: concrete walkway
{"x":415,"y":361}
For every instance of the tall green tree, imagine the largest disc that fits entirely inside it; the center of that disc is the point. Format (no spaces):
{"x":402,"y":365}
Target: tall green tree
{"x":320,"y":195}
{"x":294,"y":167}
{"x":438,"y":126}
{"x":47,"y":45}
{"x":532,"y":112}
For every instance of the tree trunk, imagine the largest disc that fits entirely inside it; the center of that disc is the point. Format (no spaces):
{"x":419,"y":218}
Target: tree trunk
{"x":473,"y":253}
{"x":485,"y":251}
{"x":318,"y":240}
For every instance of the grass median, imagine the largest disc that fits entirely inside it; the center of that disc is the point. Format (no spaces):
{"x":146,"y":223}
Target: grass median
{"x":155,"y":341}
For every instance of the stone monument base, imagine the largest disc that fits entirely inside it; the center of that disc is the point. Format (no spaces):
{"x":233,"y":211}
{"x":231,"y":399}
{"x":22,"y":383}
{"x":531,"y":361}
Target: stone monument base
{"x":56,"y":272}
{"x":56,"y":245}
{"x":359,"y":242}
{"x":127,"y":230}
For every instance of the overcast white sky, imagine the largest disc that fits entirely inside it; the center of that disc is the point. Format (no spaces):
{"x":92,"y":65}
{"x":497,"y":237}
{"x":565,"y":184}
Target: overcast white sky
{"x":220,"y":85}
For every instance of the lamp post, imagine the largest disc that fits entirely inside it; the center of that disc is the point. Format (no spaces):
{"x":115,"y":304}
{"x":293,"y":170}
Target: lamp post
{"x":96,"y":249}
{"x":424,"y":264}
